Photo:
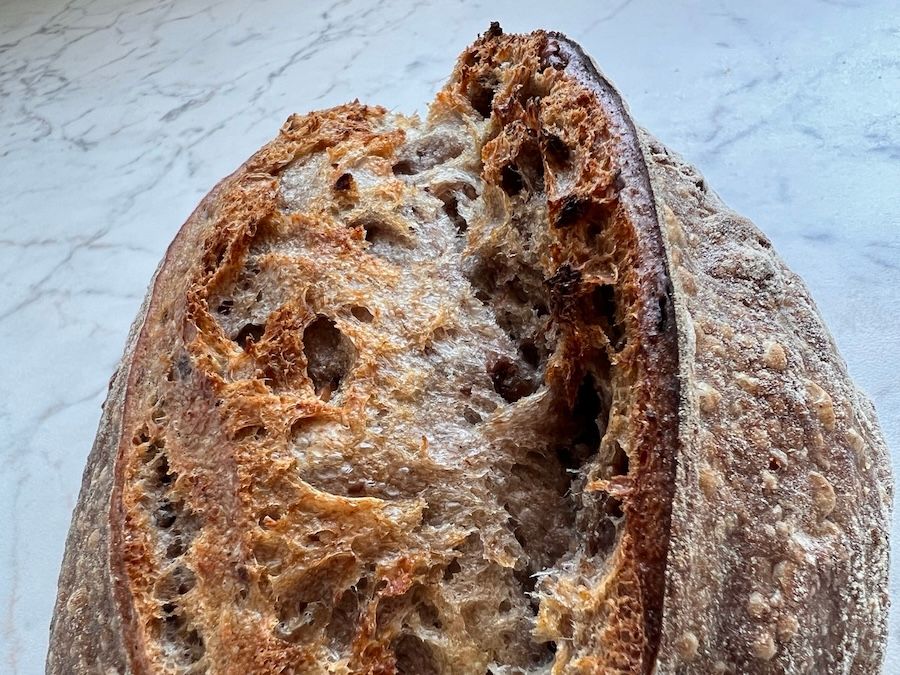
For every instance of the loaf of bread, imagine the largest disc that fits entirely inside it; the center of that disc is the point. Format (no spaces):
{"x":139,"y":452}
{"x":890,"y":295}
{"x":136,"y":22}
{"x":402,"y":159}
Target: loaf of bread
{"x":505,"y":391}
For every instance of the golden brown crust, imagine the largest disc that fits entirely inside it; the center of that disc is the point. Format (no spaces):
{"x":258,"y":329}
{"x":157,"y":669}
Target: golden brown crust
{"x":426,"y":398}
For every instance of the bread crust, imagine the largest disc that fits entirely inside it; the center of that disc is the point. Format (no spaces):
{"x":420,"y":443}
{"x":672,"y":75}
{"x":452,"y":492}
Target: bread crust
{"x":88,"y":628}
{"x":757,"y":521}
{"x":779,"y":551}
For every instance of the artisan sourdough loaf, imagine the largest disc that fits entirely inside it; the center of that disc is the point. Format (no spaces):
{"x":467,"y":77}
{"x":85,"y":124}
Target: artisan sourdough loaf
{"x":505,"y":391}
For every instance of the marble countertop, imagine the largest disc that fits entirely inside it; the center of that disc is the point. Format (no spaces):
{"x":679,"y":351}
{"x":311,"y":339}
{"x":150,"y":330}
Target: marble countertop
{"x":117,"y":116}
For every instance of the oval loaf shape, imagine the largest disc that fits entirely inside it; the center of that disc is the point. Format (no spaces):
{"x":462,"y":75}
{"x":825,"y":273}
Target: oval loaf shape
{"x":505,"y":391}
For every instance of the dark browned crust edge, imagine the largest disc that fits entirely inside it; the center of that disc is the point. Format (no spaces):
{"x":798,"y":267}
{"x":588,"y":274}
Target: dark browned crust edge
{"x":658,"y":334}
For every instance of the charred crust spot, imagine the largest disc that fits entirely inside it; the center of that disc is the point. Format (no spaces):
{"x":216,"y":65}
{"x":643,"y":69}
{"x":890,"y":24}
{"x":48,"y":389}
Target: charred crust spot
{"x":494,"y":30}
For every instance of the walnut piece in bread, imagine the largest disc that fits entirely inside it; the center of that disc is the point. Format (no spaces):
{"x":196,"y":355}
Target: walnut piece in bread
{"x":507,"y":391}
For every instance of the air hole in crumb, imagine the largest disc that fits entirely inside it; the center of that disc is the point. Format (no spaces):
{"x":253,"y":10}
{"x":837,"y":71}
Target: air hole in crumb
{"x":452,"y":569}
{"x":450,"y":196}
{"x":605,"y":314}
{"x":413,"y":656}
{"x":530,"y":353}
{"x":301,"y":425}
{"x":519,"y":534}
{"x":557,"y":152}
{"x":163,"y":476}
{"x":427,"y":152}
{"x":329,"y":356}
{"x":481,"y":95}
{"x":269,"y":515}
{"x":429,"y":614}
{"x":451,"y":208}
{"x":251,"y":332}
{"x":663,"y":318}
{"x":343,"y":624}
{"x":380,"y":233}
{"x":183,"y":644}
{"x":175,"y":549}
{"x":298,"y":620}
{"x":504,"y":606}
{"x":356,"y":489}
{"x":594,"y":229}
{"x":471,"y":416}
{"x":586,"y":440}
{"x":361,"y":314}
{"x":253,"y":431}
{"x":179,"y":581}
{"x":225,"y":307}
{"x":183,"y":366}
{"x":403,"y":168}
{"x":511,"y":180}
{"x":614,"y":507}
{"x":344,"y":182}
{"x":508,"y":379}
{"x":530,"y":165}
{"x":166,"y":515}
{"x":618,"y":465}
{"x":194,"y":643}
{"x":571,"y":211}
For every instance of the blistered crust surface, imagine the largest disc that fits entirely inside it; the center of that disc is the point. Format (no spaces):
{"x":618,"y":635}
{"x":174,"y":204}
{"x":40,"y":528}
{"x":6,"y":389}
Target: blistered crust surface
{"x":779,"y":551}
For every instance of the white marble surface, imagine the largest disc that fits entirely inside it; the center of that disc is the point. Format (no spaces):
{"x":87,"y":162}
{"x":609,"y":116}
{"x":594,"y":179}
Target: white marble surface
{"x":117,"y":116}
